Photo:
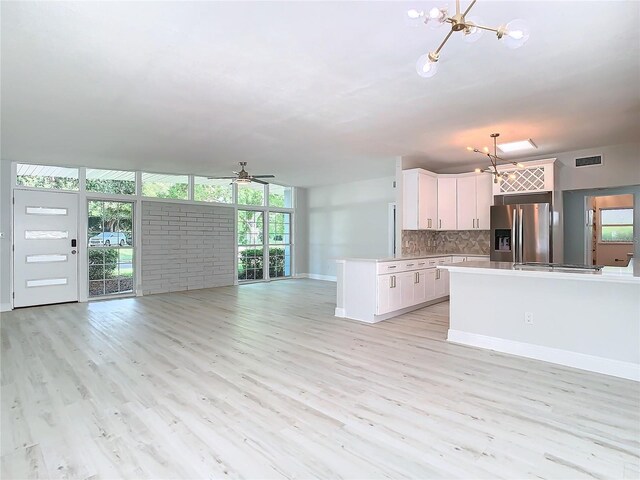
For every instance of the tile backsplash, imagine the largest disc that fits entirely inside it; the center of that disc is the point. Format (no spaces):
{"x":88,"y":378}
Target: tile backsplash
{"x":426,"y":242}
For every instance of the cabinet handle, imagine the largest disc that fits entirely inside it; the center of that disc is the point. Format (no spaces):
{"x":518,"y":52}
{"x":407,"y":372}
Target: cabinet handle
{"x":393,"y":281}
{"x":437,"y":274}
{"x":474,"y":223}
{"x":418,"y":277}
{"x":439,"y":223}
{"x":392,"y":266}
{"x":478,"y":222}
{"x":410,"y":264}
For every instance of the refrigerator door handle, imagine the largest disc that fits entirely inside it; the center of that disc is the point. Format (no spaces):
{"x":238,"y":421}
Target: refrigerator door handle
{"x":514,"y":234}
{"x":520,"y":239}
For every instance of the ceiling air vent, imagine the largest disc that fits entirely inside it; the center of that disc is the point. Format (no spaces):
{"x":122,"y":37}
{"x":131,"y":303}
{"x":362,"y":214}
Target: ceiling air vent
{"x":589,"y":161}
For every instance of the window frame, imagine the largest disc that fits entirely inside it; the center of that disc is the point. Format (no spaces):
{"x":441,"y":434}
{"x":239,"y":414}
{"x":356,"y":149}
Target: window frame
{"x":601,"y":224}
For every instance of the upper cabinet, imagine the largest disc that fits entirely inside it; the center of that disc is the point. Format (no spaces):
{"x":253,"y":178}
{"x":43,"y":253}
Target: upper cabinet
{"x":475,"y":197}
{"x":420,"y":200}
{"x":447,"y":201}
{"x":537,"y":176}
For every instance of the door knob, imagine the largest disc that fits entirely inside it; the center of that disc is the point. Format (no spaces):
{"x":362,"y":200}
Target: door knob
{"x":73,"y":252}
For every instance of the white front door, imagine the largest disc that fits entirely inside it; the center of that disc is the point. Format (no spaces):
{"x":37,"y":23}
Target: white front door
{"x":45,"y":260}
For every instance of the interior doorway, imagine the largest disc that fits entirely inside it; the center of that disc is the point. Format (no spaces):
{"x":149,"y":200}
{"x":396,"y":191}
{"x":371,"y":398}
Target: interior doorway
{"x":609,"y":233}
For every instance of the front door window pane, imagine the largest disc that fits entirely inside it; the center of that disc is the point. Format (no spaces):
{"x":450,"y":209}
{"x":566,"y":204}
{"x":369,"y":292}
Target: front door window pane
{"x":110,"y":242}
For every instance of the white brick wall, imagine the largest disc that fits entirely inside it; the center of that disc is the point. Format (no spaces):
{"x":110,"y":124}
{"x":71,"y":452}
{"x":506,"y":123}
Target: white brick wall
{"x":186,"y":247}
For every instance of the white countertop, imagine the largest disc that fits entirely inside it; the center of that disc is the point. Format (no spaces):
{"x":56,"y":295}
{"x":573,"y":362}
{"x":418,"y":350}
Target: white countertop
{"x":410,"y":257}
{"x":607,"y":274}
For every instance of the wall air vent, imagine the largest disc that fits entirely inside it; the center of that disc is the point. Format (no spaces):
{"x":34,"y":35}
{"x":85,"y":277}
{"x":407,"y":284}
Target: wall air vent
{"x":589,"y":161}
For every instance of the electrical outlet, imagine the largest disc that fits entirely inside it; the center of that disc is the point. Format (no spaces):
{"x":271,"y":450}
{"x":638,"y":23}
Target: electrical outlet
{"x":528,"y":318}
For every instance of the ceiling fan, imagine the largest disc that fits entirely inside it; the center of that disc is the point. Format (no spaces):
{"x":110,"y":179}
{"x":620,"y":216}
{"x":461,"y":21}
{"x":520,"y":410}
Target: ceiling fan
{"x":243,"y":176}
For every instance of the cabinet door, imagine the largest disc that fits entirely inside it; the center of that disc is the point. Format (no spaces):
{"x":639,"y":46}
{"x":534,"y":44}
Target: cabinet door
{"x":428,"y":202}
{"x":430,"y":283}
{"x":410,"y":200}
{"x":420,"y":287}
{"x":440,"y":285}
{"x":447,"y":203}
{"x":383,"y":300}
{"x":407,"y":282}
{"x":484,"y":200}
{"x":466,"y":194}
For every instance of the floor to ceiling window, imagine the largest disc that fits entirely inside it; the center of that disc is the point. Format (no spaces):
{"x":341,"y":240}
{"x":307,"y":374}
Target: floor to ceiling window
{"x":264,"y":231}
{"x":110,"y":247}
{"x":250,"y":245}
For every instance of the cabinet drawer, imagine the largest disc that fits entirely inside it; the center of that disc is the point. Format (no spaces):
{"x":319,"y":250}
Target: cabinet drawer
{"x":390,"y":267}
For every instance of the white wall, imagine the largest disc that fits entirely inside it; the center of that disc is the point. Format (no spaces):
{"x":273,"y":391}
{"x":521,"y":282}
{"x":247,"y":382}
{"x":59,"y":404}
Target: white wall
{"x":301,"y":232}
{"x":348,"y":220}
{"x":5,"y":228}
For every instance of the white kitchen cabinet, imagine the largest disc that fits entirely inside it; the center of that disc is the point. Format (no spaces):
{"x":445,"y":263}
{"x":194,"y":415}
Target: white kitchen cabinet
{"x":389,"y":296}
{"x":475,"y":197}
{"x":370,"y":290}
{"x":441,"y":284}
{"x":420,"y":200}
{"x":484,"y":200}
{"x":447,"y":202}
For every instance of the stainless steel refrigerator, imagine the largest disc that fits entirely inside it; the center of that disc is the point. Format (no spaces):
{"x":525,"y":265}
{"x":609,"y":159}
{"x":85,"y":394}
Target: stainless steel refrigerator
{"x":521,"y":233}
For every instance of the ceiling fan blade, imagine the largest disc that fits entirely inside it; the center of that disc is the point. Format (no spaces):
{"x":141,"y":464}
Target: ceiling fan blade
{"x":222,"y":178}
{"x":254,"y":179}
{"x":263,"y":176}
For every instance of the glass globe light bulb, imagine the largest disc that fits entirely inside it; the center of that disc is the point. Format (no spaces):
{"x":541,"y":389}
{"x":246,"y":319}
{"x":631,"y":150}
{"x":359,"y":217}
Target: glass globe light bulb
{"x":478,"y":170}
{"x":472,"y":33}
{"x":516,"y":34}
{"x":512,"y":176}
{"x":425,"y":67}
{"x":520,"y":165}
{"x":415,"y":18}
{"x":436,"y":17}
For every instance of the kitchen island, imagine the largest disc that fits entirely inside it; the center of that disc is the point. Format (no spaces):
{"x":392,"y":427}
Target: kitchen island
{"x":375,"y":289}
{"x":583,"y":319}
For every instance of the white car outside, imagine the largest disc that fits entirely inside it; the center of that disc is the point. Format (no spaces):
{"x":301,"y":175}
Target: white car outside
{"x":107,"y":239}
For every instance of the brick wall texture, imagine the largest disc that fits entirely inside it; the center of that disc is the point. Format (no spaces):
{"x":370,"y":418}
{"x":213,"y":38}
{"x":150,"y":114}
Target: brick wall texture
{"x":186,"y":247}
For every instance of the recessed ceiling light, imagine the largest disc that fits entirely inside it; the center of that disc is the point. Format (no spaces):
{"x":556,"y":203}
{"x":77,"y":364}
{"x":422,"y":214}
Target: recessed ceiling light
{"x":517,"y":146}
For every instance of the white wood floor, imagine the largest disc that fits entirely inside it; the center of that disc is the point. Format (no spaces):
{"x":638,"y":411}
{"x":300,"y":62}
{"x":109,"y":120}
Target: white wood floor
{"x":261,"y":381}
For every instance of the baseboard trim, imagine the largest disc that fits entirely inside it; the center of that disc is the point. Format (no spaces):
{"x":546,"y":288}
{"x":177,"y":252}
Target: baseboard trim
{"x":315,"y":276}
{"x":5,"y":307}
{"x":340,"y":313}
{"x":568,"y":358}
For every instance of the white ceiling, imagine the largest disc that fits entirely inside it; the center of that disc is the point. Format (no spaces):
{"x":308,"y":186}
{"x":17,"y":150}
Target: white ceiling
{"x":314,"y":92}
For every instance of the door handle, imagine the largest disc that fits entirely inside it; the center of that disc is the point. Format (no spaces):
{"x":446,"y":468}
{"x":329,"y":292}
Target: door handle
{"x":73,"y":252}
{"x":520,"y":233}
{"x":514,"y":234}
{"x":73,"y":242}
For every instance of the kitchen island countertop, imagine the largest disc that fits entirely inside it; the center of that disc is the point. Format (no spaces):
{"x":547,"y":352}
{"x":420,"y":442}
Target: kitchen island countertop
{"x":627,"y":274}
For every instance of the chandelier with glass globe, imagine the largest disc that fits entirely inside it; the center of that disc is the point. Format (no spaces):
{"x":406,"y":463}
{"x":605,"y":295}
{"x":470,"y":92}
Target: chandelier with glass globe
{"x":513,"y":34}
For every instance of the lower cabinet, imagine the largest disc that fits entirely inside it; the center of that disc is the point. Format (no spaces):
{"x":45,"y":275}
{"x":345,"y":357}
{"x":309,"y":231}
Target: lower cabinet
{"x":402,"y":290}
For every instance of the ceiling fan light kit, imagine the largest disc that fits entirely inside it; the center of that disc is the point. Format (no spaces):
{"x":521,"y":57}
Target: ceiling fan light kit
{"x":514,"y":34}
{"x":494,"y":158}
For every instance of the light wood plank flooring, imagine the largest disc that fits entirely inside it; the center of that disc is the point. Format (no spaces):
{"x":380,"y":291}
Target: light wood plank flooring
{"x":261,"y":381}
